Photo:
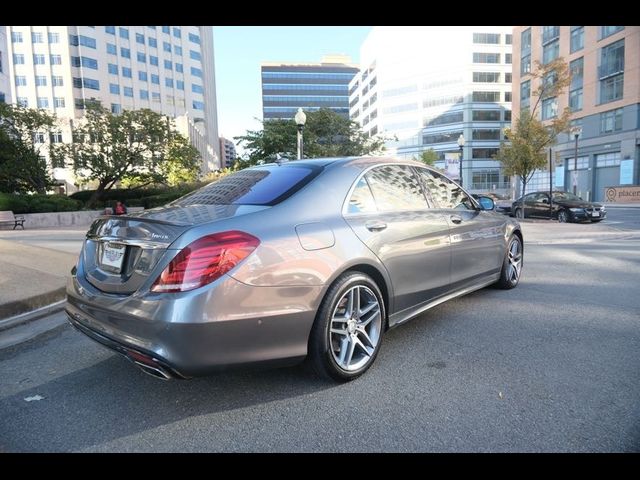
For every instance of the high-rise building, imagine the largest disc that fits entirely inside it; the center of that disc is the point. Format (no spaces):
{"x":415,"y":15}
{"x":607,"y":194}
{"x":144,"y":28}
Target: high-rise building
{"x":310,"y":86}
{"x":423,"y":87}
{"x":5,"y":84}
{"x":227,"y":152}
{"x":168,"y":69}
{"x":604,"y":99}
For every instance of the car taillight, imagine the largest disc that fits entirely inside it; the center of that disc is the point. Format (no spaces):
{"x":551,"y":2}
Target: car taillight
{"x":203,"y":261}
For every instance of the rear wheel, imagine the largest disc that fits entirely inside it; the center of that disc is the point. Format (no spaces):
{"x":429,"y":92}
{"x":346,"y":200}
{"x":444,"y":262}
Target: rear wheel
{"x":346,"y":336}
{"x":512,"y":264}
{"x":518,"y":213}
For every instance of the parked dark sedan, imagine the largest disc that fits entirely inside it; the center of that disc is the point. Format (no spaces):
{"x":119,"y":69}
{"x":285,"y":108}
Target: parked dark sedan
{"x":566,"y":207}
{"x":270,"y":264}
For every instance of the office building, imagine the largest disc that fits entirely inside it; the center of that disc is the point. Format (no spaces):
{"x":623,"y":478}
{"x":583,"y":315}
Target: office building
{"x":5,"y":83}
{"x":227,"y":152}
{"x":604,"y":100}
{"x":423,"y":87}
{"x":168,"y":69}
{"x":310,"y":86}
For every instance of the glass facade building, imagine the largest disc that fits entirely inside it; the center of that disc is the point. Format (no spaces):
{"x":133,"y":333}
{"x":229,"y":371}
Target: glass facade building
{"x":287,"y":87}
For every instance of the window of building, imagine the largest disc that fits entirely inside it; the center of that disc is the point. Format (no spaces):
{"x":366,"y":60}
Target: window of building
{"x":485,"y":134}
{"x":197,"y":105}
{"x":153,"y":60}
{"x":168,"y":82}
{"x":549,"y":108}
{"x":18,"y":59}
{"x":57,"y":60}
{"x":78,"y":103}
{"x":177,"y":50}
{"x":608,"y":159}
{"x":155,"y":79}
{"x":484,"y":57}
{"x":16,"y":37}
{"x":488,"y":179}
{"x":43,"y":102}
{"x":507,"y":58}
{"x":550,"y":51}
{"x":142,"y":58}
{"x":153,"y":42}
{"x":166,"y":29}
{"x":485,"y":115}
{"x":508,"y":39}
{"x":21,"y":81}
{"x":611,"y":121}
{"x":142,"y":76}
{"x":197,"y":88}
{"x":144,"y":94}
{"x":611,"y":89}
{"x":177,"y":33}
{"x":110,"y":29}
{"x":84,"y":62}
{"x":441,"y":137}
{"x":85,"y":41}
{"x":155,"y":97}
{"x":485,"y":96}
{"x":114,"y":89}
{"x":525,"y":41}
{"x":166,"y":46}
{"x":38,"y":137}
{"x":113,"y":69}
{"x":577,"y":38}
{"x":575,"y":99}
{"x":54,"y":37}
{"x":576,"y":68}
{"x":116,"y":108}
{"x":140,"y":38}
{"x":195,"y":55}
{"x":128,"y":91}
{"x":41,"y":81}
{"x":507,"y":77}
{"x":125,"y":52}
{"x":194,"y":38}
{"x":179,"y":67}
{"x":180,"y":84}
{"x":550,"y":33}
{"x":607,"y":31}
{"x":124,"y":32}
{"x":58,"y":102}
{"x":486,"y":77}
{"x":37,"y":37}
{"x":55,"y":137}
{"x":112,"y":49}
{"x":38,"y":59}
{"x":507,"y":115}
{"x":491,"y":38}
{"x":126,"y":72}
{"x":196,"y":72}
{"x":582,"y":163}
{"x":22,"y":101}
{"x":525,"y":64}
{"x":507,"y":96}
{"x":57,"y":81}
{"x":525,"y":93}
{"x":168,"y":64}
{"x":484,"y":152}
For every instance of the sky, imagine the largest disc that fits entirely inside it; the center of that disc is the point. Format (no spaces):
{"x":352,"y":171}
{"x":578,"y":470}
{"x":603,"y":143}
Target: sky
{"x":240,"y":50}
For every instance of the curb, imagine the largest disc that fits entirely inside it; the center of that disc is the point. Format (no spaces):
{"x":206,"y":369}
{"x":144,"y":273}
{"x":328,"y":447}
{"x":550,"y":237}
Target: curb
{"x":17,"y":320}
{"x":12,"y":309}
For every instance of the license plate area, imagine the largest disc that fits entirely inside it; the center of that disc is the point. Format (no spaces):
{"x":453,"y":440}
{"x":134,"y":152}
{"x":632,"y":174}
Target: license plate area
{"x":595,"y":213}
{"x":112,"y":256}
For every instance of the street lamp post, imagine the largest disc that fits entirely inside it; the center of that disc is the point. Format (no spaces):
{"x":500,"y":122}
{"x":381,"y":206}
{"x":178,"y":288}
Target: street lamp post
{"x":300,"y":119}
{"x":576,"y":133}
{"x":461,"y":145}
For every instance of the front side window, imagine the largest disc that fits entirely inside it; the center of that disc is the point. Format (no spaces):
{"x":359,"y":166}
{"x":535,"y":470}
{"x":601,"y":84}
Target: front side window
{"x":396,"y":188}
{"x":444,"y":193}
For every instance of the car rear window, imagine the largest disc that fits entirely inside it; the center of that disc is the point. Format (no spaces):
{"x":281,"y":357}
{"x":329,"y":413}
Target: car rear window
{"x":254,"y":186}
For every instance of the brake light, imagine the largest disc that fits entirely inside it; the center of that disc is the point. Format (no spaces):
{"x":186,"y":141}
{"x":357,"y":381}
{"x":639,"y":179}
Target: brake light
{"x":205,"y":260}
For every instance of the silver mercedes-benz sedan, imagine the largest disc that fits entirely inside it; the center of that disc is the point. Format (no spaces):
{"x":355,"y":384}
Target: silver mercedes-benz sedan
{"x":272,"y":264}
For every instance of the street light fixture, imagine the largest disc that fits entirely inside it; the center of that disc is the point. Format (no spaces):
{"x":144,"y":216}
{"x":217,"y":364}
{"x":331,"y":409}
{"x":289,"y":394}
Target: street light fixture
{"x":576,"y":133}
{"x":300,"y":119}
{"x":461,"y":145}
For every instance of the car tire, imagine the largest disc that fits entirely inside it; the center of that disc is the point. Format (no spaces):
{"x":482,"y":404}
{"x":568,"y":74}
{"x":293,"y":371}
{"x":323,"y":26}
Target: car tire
{"x":518,"y":213}
{"x":344,"y":343}
{"x":563,"y":216}
{"x":512,"y":264}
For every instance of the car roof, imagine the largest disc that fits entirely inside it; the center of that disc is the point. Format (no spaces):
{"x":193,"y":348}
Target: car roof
{"x":361,"y":160}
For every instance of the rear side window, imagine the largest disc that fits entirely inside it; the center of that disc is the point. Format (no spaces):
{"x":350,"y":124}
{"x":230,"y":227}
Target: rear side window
{"x":396,"y":188}
{"x":361,"y":200}
{"x":255,"y":186}
{"x":443,"y":192}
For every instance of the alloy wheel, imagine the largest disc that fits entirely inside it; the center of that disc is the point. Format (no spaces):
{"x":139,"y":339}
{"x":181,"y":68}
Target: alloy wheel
{"x":515,"y":260}
{"x":354,"y":332}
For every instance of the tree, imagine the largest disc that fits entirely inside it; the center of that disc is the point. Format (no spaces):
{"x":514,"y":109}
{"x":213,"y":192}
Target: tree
{"x":528,"y":140}
{"x":428,"y":157}
{"x":326,"y":134}
{"x":23,"y":132}
{"x":139,"y":146}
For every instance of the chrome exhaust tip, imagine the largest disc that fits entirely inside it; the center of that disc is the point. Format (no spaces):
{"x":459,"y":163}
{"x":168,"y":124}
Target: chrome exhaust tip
{"x":156,"y":372}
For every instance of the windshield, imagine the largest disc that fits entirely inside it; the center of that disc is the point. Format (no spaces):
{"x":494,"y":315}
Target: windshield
{"x":566,"y":196}
{"x":254,"y":186}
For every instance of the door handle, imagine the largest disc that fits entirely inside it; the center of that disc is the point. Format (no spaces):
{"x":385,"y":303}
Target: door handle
{"x":375,"y":226}
{"x":456,"y":218}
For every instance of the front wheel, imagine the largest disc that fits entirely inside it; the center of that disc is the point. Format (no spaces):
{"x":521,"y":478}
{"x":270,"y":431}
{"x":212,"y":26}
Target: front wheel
{"x":518,"y":213}
{"x":347,"y":333}
{"x":512,"y":264}
{"x":563,"y":216}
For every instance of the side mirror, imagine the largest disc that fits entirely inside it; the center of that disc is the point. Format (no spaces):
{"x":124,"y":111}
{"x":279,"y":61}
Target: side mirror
{"x":486,"y":203}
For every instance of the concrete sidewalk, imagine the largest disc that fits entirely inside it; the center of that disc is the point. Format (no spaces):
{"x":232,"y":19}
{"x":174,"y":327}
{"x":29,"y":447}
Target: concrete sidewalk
{"x":34,"y":265}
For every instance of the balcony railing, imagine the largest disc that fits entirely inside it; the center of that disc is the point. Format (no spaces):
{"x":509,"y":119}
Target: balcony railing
{"x":611,"y":68}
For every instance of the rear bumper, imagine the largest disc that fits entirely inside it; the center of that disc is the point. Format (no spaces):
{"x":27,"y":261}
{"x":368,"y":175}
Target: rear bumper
{"x":224,"y":324}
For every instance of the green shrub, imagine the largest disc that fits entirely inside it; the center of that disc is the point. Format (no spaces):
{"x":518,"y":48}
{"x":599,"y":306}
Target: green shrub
{"x":38,"y":203}
{"x":142,"y":197}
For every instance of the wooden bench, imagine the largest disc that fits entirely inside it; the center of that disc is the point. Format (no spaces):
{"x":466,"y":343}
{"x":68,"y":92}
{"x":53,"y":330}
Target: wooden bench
{"x":9,"y":217}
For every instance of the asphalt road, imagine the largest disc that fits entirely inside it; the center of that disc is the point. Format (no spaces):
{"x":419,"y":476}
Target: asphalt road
{"x":553,"y":365}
